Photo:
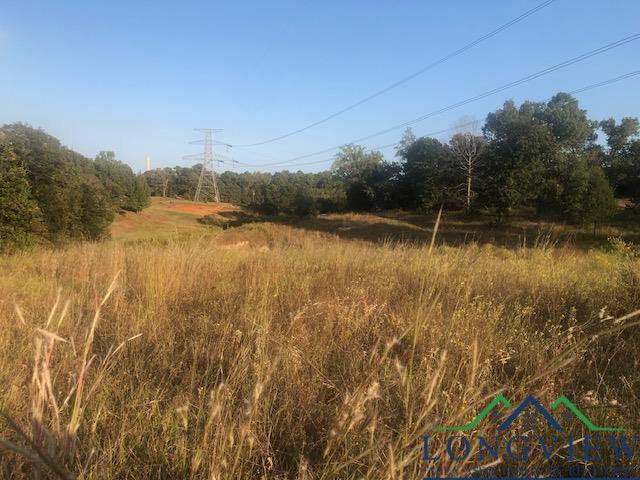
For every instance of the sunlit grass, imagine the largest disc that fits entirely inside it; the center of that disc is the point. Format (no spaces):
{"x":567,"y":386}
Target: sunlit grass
{"x":268,"y":351}
{"x":163,"y":219}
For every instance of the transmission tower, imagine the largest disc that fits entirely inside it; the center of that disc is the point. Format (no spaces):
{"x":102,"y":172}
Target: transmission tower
{"x":207,"y":189}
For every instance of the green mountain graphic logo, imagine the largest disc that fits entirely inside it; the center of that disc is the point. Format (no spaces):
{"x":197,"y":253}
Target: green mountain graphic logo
{"x":530,"y":401}
{"x":562,"y":400}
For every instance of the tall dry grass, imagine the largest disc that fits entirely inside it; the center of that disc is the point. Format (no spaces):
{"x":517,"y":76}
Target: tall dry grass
{"x":271,"y":352}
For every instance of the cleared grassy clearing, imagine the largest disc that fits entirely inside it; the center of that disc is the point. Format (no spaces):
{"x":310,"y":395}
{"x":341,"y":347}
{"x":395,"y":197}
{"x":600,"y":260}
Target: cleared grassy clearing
{"x":164,"y":219}
{"x":171,"y":218}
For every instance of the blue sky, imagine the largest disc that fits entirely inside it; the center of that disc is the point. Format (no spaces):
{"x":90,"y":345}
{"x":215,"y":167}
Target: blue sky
{"x":136,"y":77}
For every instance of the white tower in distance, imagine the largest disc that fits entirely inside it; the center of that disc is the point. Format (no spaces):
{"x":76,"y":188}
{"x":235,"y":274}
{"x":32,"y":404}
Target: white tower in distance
{"x":147,"y":160}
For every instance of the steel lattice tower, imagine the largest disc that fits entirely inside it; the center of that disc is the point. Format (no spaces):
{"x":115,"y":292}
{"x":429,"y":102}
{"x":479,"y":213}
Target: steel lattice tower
{"x":207,"y":189}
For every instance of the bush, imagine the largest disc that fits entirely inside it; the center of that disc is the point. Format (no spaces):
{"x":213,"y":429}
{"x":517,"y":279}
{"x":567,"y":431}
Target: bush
{"x":213,"y":220}
{"x":304,"y":204}
{"x":624,"y":249}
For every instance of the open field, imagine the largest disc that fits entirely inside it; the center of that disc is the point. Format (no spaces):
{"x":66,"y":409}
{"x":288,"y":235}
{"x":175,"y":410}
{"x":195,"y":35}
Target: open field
{"x":171,"y":218}
{"x":278,"y":351}
{"x":426,"y":264}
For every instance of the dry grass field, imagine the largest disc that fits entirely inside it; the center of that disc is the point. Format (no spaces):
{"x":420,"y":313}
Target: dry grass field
{"x":294,"y":352}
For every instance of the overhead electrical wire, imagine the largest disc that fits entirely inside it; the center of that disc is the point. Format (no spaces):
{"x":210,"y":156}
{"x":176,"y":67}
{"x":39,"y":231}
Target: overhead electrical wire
{"x":475,"y":98}
{"x":409,"y":77}
{"x":450,"y":129}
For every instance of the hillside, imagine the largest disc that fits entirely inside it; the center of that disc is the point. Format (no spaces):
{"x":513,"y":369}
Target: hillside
{"x":165,"y":218}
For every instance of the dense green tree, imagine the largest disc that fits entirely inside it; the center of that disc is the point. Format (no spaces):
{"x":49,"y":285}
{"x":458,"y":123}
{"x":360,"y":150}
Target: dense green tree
{"x":57,"y":176}
{"x":621,"y":160}
{"x":366,"y":176}
{"x":126,"y":190}
{"x":186,"y":181}
{"x":633,"y":162}
{"x":354,"y":163}
{"x":531,"y":149}
{"x":19,"y":213}
{"x":583,"y":193}
{"x":599,"y":202}
{"x":282,"y":192}
{"x":96,"y":213}
{"x":276,"y":195}
{"x":140,"y":196}
{"x":329,"y":193}
{"x":571,"y":128}
{"x":160,"y":182}
{"x":619,"y":134}
{"x":77,"y":196}
{"x":430,"y":176}
{"x":304,"y":203}
{"x":520,"y":149}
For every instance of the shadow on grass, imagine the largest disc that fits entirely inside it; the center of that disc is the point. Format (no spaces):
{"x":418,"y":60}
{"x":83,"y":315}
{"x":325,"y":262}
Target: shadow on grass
{"x":456,"y":229}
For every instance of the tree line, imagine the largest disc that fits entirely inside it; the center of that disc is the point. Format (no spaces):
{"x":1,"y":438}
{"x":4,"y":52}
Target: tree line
{"x":540,"y":155}
{"x":48,"y":192}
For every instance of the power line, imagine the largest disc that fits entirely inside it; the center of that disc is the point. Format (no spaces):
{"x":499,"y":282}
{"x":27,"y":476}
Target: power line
{"x":450,"y":129}
{"x":409,"y":77}
{"x":475,"y":98}
{"x":251,"y":152}
{"x":605,"y":82}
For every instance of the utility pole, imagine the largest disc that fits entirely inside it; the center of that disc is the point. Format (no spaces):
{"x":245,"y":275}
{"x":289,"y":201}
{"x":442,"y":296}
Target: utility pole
{"x":207,"y":189}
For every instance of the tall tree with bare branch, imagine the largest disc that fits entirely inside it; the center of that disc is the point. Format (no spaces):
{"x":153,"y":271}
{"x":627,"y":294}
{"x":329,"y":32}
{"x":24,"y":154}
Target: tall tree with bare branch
{"x":467,"y":146}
